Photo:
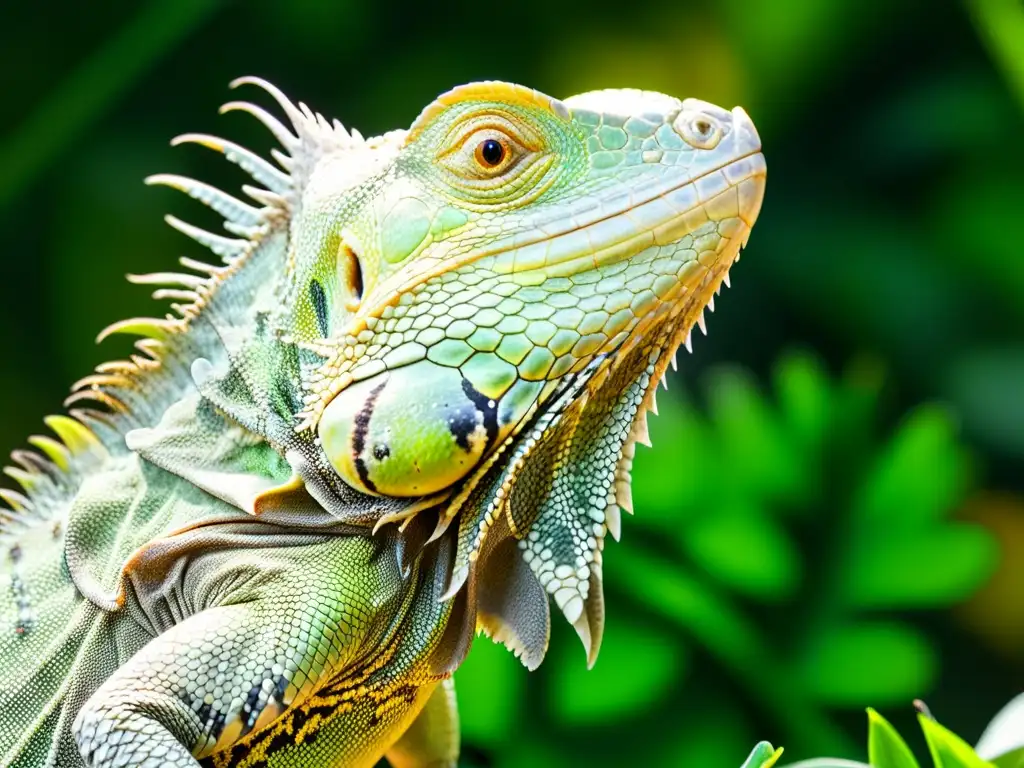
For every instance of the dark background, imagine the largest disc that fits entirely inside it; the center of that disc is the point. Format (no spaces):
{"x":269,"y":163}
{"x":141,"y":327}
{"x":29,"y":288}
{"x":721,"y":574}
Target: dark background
{"x":833,"y":512}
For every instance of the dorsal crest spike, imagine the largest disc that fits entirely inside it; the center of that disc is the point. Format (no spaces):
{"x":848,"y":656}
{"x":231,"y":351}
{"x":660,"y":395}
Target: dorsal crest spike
{"x":486,"y":90}
{"x":293,"y":113}
{"x":275,"y":126}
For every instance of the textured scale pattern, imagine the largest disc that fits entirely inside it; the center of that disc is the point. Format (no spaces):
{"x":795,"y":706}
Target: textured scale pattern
{"x":400,"y":408}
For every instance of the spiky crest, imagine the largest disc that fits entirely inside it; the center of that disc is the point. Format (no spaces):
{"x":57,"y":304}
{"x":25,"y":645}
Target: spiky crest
{"x":134,"y":391}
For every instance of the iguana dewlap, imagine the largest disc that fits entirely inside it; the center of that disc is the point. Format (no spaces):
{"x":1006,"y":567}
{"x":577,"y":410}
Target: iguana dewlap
{"x":402,"y":406}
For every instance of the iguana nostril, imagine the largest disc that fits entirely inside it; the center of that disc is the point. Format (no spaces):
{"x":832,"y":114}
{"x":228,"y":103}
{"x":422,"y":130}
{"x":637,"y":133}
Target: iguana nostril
{"x":700,"y":129}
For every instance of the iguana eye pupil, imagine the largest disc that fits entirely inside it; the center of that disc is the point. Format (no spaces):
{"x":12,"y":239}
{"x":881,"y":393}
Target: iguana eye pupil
{"x":491,"y":152}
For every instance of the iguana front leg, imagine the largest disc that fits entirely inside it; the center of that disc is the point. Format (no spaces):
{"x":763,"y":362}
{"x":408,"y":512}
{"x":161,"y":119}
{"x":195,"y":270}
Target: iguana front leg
{"x":203,"y":684}
{"x":186,"y":687}
{"x":280,"y":623}
{"x":432,"y":741}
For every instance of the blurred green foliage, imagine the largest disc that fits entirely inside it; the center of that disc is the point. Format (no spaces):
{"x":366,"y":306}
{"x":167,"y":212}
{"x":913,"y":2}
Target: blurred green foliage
{"x":718,"y":567}
{"x":797,"y":542}
{"x":1000,"y":746}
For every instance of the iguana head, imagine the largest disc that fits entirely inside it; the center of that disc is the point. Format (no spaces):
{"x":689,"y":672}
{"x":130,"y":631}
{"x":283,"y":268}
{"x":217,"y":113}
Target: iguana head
{"x":506,"y":241}
{"x":468,"y":317}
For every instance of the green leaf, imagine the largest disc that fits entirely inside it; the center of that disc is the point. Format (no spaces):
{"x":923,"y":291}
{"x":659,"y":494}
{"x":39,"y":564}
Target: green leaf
{"x":668,"y":590}
{"x":581,"y":696}
{"x":746,"y":550}
{"x":886,"y":748}
{"x":1013,"y":759}
{"x":927,"y":568}
{"x":805,"y":397}
{"x":852,"y":664}
{"x":754,"y":444}
{"x":764,"y":755}
{"x":949,"y":750}
{"x":1003,"y":739}
{"x":920,"y":476}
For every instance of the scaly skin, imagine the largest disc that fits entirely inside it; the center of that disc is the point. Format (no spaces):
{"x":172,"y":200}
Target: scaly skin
{"x":403,"y":408}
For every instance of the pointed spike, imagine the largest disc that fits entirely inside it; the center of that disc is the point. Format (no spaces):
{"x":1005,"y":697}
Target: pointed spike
{"x":249,"y":232}
{"x":55,"y":451}
{"x":675,"y":364}
{"x":251,"y":163}
{"x":175,"y":295}
{"x":718,"y":290}
{"x":275,"y":126}
{"x":294,"y":115}
{"x":613,"y":519}
{"x":640,"y":431}
{"x":654,"y":401}
{"x":443,"y":521}
{"x":32,"y":462}
{"x":27,"y":480}
{"x":99,"y":396}
{"x":16,"y":501}
{"x":76,"y":436}
{"x":151,"y":347}
{"x":392,"y":517}
{"x":269,"y":199}
{"x":102,"y":380}
{"x":226,"y":205}
{"x":87,"y":416}
{"x":703,"y":326}
{"x":167,"y":278}
{"x":570,"y":603}
{"x":142,"y":326}
{"x":323,"y":123}
{"x":124,"y":367}
{"x":689,"y":342}
{"x":225,"y":247}
{"x":356,"y":135}
{"x":284,"y":160}
{"x":458,"y":580}
{"x":711,"y":303}
{"x":725,"y":279}
{"x":201,"y":266}
{"x":624,"y":496}
{"x":664,"y":382}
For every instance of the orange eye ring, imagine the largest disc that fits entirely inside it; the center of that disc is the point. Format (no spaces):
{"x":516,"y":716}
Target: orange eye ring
{"x":491,"y":153}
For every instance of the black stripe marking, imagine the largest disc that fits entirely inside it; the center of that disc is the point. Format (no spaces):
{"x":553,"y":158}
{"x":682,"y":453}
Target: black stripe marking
{"x":486,"y":406}
{"x":362,"y":422}
{"x":319,"y":299}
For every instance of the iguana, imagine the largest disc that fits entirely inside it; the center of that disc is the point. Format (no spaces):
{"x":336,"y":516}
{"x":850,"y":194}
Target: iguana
{"x":401,"y":409}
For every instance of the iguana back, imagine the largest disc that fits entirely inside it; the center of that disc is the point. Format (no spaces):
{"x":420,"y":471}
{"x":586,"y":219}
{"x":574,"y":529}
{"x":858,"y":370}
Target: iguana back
{"x":401,"y":408}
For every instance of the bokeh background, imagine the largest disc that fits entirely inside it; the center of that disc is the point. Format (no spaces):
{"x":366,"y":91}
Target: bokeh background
{"x":833,"y":512}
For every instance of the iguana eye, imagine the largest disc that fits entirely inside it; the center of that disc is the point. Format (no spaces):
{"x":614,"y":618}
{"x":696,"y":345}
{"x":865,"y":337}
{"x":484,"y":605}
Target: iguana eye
{"x":490,"y":153}
{"x":484,"y":154}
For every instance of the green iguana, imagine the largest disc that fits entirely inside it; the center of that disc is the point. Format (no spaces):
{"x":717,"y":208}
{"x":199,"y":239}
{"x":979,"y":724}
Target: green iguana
{"x":402,"y":408}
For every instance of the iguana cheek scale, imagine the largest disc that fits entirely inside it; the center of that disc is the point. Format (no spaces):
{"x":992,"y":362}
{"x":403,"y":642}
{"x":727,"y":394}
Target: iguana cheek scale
{"x":401,"y":409}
